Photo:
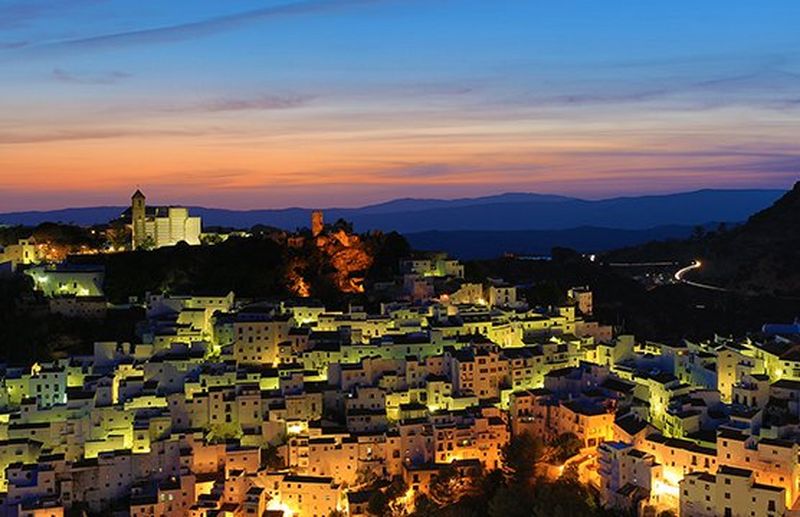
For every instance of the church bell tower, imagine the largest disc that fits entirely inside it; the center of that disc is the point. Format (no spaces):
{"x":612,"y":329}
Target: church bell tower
{"x":138,"y":213}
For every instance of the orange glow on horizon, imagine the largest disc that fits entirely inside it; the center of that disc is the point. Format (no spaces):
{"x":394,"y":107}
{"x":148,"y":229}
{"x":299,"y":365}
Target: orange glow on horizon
{"x":364,"y":161}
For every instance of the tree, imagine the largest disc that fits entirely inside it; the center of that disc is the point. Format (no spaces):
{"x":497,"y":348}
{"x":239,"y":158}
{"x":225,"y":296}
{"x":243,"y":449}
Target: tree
{"x":450,"y":485}
{"x":366,"y":477}
{"x":563,"y":498}
{"x":342,"y":224}
{"x":395,"y":493}
{"x":271,"y":458}
{"x":424,"y":507}
{"x":571,"y":474}
{"x":397,"y":488}
{"x":378,"y":504}
{"x":565,"y":446}
{"x":386,"y":500}
{"x":220,"y":433}
{"x":520,"y":457}
{"x":12,"y":234}
{"x":387,"y":249}
{"x":443,"y":487}
{"x":545,"y":293}
{"x":147,"y":244}
{"x":210,"y":239}
{"x":516,"y":498}
{"x":118,"y":235}
{"x":490,"y":483}
{"x":510,"y":502}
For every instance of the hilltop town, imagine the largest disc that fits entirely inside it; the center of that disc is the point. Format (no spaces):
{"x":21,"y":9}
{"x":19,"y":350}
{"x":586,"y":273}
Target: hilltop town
{"x":427,"y":392}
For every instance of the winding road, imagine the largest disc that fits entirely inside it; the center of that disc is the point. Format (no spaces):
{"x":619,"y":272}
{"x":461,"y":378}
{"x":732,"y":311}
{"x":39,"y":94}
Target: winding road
{"x":681,"y":274}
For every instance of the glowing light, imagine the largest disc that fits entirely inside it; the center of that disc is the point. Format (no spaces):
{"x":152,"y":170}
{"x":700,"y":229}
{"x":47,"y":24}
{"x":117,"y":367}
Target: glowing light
{"x":669,"y":485}
{"x":296,"y":427}
{"x":682,"y":272}
{"x":277,"y":505}
{"x":406,"y":501}
{"x":662,"y":488}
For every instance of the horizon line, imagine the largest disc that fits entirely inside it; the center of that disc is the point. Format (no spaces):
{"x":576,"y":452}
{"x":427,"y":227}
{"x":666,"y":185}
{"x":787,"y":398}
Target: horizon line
{"x":406,"y":198}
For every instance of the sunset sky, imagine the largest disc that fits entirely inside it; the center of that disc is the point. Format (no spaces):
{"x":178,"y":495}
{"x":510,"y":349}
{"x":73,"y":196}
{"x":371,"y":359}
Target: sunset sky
{"x":259,"y":104}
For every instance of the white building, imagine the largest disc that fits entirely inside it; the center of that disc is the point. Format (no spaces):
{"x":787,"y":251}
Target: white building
{"x":732,"y":492}
{"x":162,"y":226}
{"x":433,"y":265}
{"x":68,"y":280}
{"x":22,"y":253}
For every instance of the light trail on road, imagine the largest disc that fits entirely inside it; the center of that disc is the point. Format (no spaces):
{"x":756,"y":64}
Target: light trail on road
{"x":681,"y":273}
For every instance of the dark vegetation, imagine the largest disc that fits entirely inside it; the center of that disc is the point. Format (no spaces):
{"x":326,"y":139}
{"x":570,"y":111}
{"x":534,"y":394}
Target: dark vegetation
{"x":28,"y":332}
{"x":249,"y":267}
{"x":518,"y":489}
{"x":55,"y":234}
{"x":254,"y":268}
{"x":668,"y":312}
{"x":475,"y":245}
{"x":11,"y":234}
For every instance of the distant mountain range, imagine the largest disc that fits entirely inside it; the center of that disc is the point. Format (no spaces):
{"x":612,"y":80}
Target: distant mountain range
{"x":505,"y":212}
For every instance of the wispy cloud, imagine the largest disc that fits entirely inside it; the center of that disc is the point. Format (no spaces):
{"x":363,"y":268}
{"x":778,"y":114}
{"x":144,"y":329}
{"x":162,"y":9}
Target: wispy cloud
{"x":16,"y":14}
{"x":766,"y":77}
{"x":65,"y":76}
{"x":10,"y":45}
{"x":222,"y":178}
{"x":577,"y":99}
{"x":431,"y":89}
{"x":262,"y":102}
{"x":785,"y":166}
{"x":762,"y":86}
{"x":32,"y":137}
{"x":200,"y":28}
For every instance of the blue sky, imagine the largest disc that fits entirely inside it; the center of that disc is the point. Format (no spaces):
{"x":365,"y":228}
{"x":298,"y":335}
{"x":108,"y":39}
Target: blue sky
{"x":251,"y":104}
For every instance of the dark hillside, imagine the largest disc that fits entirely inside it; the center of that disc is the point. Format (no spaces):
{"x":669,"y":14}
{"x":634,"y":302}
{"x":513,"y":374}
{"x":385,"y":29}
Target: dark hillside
{"x":761,"y":256}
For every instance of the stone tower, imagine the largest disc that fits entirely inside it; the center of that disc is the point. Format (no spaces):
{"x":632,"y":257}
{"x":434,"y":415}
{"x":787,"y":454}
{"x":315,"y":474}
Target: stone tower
{"x":317,"y":223}
{"x":138,"y":215}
